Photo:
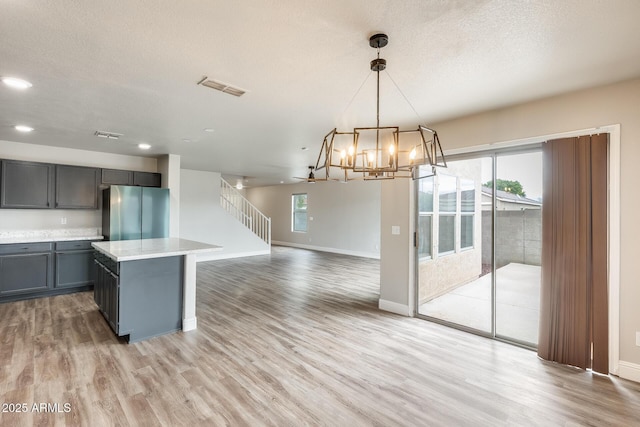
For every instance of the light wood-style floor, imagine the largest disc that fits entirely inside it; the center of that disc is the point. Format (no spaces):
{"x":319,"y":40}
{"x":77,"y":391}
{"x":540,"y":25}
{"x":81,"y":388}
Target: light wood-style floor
{"x":294,"y":338}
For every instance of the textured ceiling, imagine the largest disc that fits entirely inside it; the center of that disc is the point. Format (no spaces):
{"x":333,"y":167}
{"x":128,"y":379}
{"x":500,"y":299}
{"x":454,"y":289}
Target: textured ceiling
{"x":131,"y":67}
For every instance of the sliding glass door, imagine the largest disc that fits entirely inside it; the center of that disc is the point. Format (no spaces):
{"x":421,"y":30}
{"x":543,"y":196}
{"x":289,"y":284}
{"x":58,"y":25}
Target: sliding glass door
{"x":454,"y":265}
{"x":518,"y":245}
{"x":478,"y":244}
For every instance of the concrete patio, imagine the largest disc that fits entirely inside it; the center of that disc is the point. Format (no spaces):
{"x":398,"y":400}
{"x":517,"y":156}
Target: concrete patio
{"x":517,"y":303}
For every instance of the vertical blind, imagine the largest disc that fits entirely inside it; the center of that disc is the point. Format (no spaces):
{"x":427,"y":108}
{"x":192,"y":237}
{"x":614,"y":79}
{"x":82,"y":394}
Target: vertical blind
{"x":573,"y":299}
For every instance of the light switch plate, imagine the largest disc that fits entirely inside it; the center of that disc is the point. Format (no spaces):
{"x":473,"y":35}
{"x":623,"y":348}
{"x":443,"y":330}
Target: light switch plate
{"x":395,"y":229}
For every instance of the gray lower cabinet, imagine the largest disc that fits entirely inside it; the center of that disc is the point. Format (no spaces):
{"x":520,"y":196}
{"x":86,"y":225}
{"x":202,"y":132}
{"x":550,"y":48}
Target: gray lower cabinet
{"x":140,"y":299}
{"x":34,"y":270}
{"x":77,"y":187}
{"x":74,"y":264}
{"x":25,"y":269}
{"x":26,"y":185}
{"x":106,"y":294}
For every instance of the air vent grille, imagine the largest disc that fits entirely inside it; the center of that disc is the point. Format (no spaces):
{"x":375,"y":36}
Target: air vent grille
{"x":222,"y":87}
{"x":108,"y":135}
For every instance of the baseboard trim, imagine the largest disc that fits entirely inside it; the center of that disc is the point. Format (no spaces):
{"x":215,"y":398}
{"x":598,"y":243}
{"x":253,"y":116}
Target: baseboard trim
{"x":371,"y":255}
{"x":394,"y":307}
{"x":189,"y":324}
{"x":629,"y":371}
{"x":217,"y":256}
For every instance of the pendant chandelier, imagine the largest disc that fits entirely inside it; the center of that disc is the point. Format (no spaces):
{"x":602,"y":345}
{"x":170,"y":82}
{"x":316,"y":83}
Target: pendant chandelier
{"x":380,"y":152}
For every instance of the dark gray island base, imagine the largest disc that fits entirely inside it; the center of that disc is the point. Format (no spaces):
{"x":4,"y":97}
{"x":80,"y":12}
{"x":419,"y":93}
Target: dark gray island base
{"x":147,"y":287}
{"x":142,"y":298}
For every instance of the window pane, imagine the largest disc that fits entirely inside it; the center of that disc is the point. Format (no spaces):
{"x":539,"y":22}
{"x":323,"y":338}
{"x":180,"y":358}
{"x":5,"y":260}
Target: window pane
{"x":424,"y":236}
{"x":446,"y":233}
{"x":467,"y":195}
{"x":300,"y":201}
{"x":300,"y":221}
{"x":425,"y":194}
{"x":447,"y":193}
{"x":466,"y":231}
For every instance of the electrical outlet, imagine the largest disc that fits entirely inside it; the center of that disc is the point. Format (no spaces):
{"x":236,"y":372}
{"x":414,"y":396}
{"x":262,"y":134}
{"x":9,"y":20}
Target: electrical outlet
{"x":63,"y":220}
{"x":395,"y":229}
{"x":638,"y":339}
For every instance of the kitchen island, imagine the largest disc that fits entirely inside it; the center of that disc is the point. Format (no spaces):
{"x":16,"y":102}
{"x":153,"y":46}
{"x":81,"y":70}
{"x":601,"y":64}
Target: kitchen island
{"x":146,"y":288}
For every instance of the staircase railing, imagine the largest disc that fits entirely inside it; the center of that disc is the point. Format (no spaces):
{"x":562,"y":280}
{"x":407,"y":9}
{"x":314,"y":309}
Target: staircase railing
{"x":241,"y":209}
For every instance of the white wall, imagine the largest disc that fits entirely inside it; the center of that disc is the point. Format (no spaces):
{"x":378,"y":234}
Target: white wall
{"x":29,"y":219}
{"x":203,"y":219}
{"x":346,"y":216}
{"x":396,"y":257}
{"x":169,"y":167}
{"x":612,"y":104}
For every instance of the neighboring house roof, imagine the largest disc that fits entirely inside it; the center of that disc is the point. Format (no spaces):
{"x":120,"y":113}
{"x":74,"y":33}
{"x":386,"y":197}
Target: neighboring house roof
{"x":510,"y":197}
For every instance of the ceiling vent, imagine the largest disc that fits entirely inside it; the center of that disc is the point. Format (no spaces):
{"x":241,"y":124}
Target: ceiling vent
{"x":108,"y":135}
{"x":222,"y":87}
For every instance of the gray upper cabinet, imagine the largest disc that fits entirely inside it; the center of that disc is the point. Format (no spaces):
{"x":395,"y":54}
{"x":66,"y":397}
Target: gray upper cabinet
{"x":32,"y":185}
{"x":147,"y":179}
{"x":76,"y":187}
{"x":116,"y":177}
{"x":26,"y":185}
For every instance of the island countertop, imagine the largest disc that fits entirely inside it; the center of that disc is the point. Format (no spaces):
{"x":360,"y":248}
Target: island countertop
{"x":129,"y":250}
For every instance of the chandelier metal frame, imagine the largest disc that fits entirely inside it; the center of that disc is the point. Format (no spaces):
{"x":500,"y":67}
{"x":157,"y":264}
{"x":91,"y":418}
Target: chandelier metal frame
{"x":391,"y":153}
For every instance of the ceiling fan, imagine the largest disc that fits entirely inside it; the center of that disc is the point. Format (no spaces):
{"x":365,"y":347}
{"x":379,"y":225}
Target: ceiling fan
{"x":311,"y":178}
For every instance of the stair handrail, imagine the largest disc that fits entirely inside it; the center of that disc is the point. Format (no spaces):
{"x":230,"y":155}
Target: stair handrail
{"x":247,"y":213}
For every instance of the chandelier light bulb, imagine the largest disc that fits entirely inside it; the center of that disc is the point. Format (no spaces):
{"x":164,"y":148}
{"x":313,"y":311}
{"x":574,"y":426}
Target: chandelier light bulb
{"x":392,"y":149}
{"x":351,"y":149}
{"x":412,"y":155}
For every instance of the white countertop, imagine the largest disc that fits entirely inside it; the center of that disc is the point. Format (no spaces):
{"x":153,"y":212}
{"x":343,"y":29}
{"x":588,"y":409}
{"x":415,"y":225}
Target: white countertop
{"x":129,"y":250}
{"x":53,"y":235}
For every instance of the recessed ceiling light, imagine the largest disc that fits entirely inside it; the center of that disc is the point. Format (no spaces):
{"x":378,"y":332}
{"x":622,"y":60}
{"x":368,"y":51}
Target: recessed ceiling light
{"x":210,"y":130}
{"x":186,"y":140}
{"x":281,"y":182}
{"x":23,"y":128}
{"x":16,"y":83}
{"x":304,"y":148}
{"x":144,"y":146}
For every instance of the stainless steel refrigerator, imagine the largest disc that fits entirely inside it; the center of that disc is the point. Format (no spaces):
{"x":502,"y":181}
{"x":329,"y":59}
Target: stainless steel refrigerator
{"x":130,"y":213}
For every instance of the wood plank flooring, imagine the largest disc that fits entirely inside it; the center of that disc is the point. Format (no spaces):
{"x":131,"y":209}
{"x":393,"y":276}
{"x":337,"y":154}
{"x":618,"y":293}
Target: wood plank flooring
{"x":290,"y":339}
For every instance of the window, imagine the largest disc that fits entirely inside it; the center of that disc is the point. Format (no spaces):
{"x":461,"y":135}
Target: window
{"x":467,"y":211}
{"x":299,"y":213}
{"x":447,"y":205}
{"x":425,"y":216}
{"x":446,"y":212}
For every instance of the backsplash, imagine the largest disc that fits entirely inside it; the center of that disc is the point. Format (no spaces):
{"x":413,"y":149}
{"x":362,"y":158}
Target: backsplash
{"x":22,"y":236}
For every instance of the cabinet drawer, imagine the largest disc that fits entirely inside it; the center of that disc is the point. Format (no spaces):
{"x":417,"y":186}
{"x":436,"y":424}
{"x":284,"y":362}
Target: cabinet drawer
{"x":24,"y":248}
{"x":75,"y":245}
{"x":109,"y":263}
